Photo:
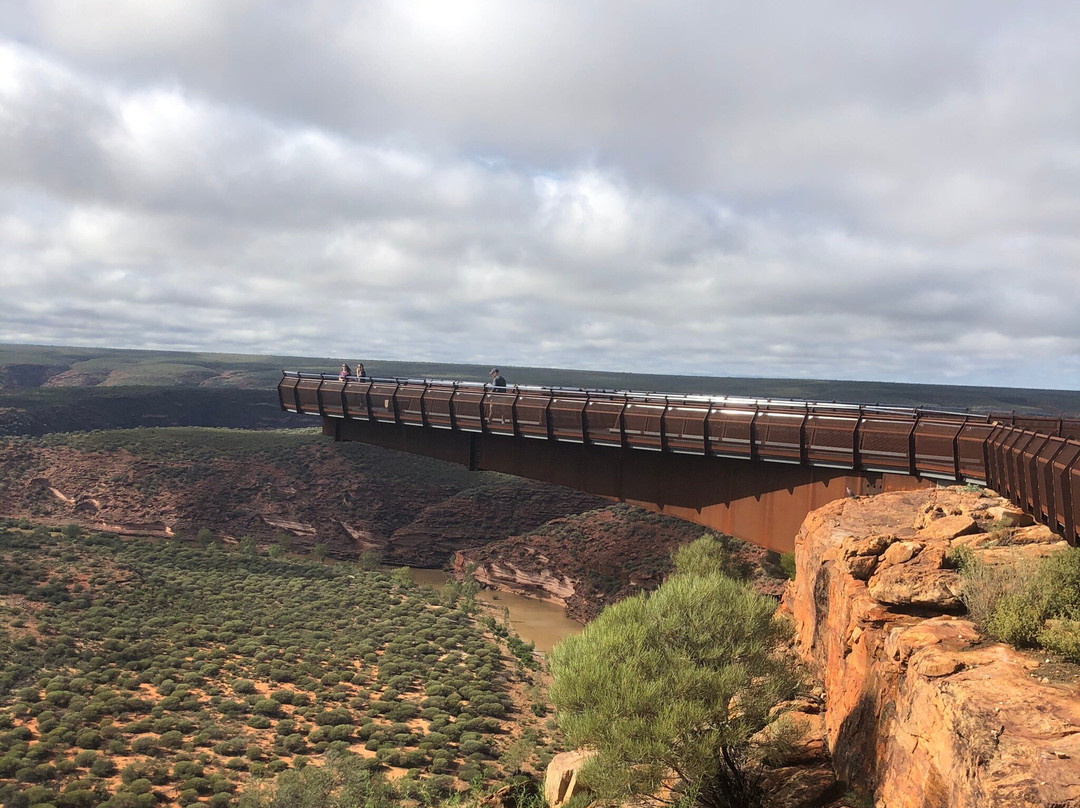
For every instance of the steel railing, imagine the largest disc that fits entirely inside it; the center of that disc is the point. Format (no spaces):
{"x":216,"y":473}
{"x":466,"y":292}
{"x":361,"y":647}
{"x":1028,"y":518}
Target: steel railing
{"x":1033,"y":460}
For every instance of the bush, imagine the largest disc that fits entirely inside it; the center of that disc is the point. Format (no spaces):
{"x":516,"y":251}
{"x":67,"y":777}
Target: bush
{"x":621,"y":672}
{"x":1062,"y":637}
{"x":1027,"y":604}
{"x":102,"y":767}
{"x":267,"y":707}
{"x":144,"y":745}
{"x":787,"y":564}
{"x":85,"y":759}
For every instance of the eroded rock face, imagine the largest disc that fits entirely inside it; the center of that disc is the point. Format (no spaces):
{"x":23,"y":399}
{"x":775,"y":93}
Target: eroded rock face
{"x":590,"y":560}
{"x":919,"y":707}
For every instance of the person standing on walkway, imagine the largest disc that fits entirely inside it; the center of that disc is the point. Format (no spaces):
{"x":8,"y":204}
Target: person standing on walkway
{"x":497,"y":381}
{"x":345,"y":372}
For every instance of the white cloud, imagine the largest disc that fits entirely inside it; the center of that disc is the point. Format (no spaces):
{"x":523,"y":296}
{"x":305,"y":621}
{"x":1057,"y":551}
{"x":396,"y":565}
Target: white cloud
{"x":773,"y":189}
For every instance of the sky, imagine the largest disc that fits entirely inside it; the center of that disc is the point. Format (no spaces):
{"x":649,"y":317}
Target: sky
{"x":844,"y":190}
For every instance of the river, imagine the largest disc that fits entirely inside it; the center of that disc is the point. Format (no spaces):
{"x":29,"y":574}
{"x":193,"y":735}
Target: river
{"x":536,"y":621}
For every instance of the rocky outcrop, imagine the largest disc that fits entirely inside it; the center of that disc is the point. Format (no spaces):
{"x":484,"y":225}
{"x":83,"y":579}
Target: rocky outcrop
{"x":540,"y":582}
{"x":920,"y":708}
{"x":479,"y":516}
{"x":589,"y":560}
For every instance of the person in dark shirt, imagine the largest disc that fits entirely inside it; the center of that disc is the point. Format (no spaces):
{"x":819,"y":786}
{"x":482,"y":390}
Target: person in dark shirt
{"x":497,"y":381}
{"x":360,"y":372}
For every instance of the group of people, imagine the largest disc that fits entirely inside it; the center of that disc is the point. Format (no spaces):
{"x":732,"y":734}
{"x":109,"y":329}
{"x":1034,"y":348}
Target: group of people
{"x":497,"y":380}
{"x":346,"y":372}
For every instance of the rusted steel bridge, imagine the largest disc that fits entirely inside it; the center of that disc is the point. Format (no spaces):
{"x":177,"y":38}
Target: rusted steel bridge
{"x":752,"y":468}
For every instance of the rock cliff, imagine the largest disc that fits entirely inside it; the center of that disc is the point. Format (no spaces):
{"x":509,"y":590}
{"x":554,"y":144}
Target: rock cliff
{"x":920,"y":708}
{"x":272,"y":486}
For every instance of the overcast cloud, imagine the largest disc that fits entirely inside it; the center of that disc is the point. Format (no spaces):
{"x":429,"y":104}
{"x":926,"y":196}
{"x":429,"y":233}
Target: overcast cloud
{"x":836,"y":190}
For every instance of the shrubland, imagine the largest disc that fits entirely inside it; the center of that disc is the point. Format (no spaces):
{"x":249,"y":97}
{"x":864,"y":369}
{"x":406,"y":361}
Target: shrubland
{"x":136,"y":672}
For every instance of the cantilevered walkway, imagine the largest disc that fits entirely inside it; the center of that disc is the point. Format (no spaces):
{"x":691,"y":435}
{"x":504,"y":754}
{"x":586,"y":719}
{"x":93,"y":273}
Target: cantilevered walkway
{"x":752,"y":468}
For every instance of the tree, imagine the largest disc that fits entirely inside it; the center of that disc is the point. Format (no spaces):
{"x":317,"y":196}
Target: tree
{"x":669,"y":687}
{"x":371,"y":560}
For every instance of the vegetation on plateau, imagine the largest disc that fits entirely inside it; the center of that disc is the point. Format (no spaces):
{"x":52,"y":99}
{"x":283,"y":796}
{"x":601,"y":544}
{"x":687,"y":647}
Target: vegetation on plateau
{"x":669,"y":687}
{"x":139,"y":673}
{"x":1031,"y":605}
{"x":32,"y":365}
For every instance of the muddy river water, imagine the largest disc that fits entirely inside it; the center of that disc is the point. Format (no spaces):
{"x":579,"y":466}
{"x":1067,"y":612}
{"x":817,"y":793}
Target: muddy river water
{"x":536,"y":621}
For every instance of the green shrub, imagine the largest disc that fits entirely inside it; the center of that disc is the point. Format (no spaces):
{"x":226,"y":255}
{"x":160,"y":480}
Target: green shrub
{"x":85,"y":759}
{"x":267,"y":707}
{"x":1062,"y":636}
{"x":103,"y":767}
{"x":787,"y":564}
{"x":1026,"y":604}
{"x":144,"y":745}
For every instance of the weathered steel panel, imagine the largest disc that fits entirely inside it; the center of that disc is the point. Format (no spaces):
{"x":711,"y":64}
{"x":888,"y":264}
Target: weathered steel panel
{"x":830,"y":439}
{"x":731,"y":431}
{"x":885,"y":443}
{"x":603,"y":420}
{"x":935,"y":450}
{"x":437,"y":407}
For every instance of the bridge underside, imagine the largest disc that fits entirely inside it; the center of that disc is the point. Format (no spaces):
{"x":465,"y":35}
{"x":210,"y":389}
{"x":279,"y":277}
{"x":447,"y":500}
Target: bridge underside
{"x":763,"y":503}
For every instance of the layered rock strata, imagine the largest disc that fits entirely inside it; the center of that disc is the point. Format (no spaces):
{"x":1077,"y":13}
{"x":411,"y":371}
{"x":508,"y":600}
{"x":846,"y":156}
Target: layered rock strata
{"x":920,"y":708}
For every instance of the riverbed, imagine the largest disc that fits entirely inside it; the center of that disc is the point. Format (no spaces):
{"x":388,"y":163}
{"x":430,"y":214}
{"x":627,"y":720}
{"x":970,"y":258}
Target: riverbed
{"x":536,"y":621}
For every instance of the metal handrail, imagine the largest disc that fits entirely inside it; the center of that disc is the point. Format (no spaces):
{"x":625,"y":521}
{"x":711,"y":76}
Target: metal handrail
{"x":733,"y":401}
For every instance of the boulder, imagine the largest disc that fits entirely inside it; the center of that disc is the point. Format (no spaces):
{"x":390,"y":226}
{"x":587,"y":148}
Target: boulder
{"x":901,"y":552}
{"x":862,"y":567}
{"x":561,"y":777}
{"x":1008,"y":516}
{"x":919,"y":583}
{"x":948,"y":527}
{"x":871,"y":545}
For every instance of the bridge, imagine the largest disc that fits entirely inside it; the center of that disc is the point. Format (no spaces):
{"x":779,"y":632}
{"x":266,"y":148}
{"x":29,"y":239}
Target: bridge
{"x":751,"y":468}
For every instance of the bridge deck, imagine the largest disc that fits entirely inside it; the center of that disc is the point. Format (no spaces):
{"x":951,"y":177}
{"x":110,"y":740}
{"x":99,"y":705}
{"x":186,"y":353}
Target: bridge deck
{"x":767,"y":461}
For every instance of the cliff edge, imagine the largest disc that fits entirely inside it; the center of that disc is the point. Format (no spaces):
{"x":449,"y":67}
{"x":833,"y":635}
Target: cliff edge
{"x":920,"y":708}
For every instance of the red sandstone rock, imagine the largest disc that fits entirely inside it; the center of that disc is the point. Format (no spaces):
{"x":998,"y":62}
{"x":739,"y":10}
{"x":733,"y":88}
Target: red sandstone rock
{"x":919,"y":583}
{"x":901,"y":552}
{"x":1008,"y":516}
{"x":917,"y":709}
{"x":948,"y":527}
{"x":862,"y":567}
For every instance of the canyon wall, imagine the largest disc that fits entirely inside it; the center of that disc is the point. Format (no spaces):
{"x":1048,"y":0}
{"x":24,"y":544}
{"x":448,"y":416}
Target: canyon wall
{"x":921,"y":709}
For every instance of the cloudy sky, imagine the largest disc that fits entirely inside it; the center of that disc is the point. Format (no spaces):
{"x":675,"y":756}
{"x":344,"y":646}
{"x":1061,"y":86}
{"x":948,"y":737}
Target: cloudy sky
{"x":842,"y":190}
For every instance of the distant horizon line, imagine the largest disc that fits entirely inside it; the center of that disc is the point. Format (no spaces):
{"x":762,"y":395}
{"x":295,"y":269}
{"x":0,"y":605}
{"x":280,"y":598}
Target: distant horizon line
{"x":334,"y":361}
